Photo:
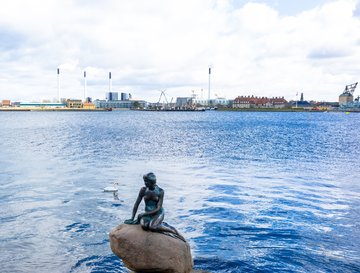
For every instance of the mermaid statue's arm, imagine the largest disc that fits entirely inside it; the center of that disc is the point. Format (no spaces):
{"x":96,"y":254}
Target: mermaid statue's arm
{"x":135,"y":208}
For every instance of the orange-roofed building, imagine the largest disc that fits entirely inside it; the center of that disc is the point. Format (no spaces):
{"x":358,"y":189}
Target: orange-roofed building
{"x":5,"y":103}
{"x":258,"y":102}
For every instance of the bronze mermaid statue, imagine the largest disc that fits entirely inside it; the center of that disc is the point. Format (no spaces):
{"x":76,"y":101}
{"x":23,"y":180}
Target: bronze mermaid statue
{"x":152,"y":218}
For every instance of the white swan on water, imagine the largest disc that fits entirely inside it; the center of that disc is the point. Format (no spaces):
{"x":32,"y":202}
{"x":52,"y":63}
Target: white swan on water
{"x":113,"y":188}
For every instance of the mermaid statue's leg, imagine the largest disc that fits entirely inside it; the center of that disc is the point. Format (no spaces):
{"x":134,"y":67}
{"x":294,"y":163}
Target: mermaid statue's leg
{"x":145,"y":223}
{"x":155,"y":225}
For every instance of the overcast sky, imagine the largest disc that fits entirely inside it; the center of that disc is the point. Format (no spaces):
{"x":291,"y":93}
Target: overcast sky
{"x":262,"y":48}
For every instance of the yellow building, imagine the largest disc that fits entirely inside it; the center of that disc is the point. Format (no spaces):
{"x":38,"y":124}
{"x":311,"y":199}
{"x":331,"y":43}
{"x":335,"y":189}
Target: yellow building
{"x":88,"y":105}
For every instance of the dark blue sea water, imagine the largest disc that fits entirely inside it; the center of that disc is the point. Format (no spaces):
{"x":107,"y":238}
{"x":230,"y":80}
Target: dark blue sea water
{"x":252,"y":192}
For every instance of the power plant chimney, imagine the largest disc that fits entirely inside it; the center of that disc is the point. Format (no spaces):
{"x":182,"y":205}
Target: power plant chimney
{"x":58,"y":84}
{"x":85,"y":94}
{"x":109,"y":81}
{"x":209,"y":86}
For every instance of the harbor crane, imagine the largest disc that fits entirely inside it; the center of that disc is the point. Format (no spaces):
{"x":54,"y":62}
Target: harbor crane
{"x":164,"y":105}
{"x":163,"y":94}
{"x":350,"y":89}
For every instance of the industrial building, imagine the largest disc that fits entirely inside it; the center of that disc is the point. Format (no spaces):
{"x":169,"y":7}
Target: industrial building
{"x":346,"y":99}
{"x":43,"y":104}
{"x":113,"y":102}
{"x":111,"y":96}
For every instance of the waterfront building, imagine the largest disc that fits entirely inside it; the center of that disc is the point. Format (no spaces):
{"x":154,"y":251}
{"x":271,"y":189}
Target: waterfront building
{"x":113,"y":102}
{"x":219,"y":102}
{"x":120,"y":104}
{"x":325,"y":106}
{"x":353,"y":105}
{"x":89,"y":105}
{"x":211,"y":102}
{"x":183,"y":102}
{"x":200,"y":102}
{"x":259,"y":102}
{"x":278,"y":102}
{"x":43,"y":104}
{"x":5,"y":103}
{"x":70,"y":103}
{"x":111,"y":96}
{"x":301,"y":103}
{"x":161,"y":106}
{"x":125,"y":96}
{"x":346,"y":97}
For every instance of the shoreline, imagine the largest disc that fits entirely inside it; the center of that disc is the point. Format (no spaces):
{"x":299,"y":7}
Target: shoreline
{"x":49,"y":109}
{"x":287,"y":110}
{"x":45,"y":109}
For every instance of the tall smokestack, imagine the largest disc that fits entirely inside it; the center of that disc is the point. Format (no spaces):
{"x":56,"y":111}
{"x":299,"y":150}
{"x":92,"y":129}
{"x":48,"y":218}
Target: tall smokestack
{"x":109,"y":81}
{"x":85,"y":94}
{"x":58,"y":84}
{"x":209,"y":86}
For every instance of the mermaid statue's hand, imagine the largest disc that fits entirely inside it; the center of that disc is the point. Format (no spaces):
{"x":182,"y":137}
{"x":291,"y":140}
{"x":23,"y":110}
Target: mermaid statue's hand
{"x":132,"y":222}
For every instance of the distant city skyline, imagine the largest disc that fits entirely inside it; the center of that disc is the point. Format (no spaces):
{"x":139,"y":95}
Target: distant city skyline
{"x":262,"y":48}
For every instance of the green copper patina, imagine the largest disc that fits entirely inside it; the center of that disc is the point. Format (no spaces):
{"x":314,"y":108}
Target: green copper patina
{"x":152,"y":218}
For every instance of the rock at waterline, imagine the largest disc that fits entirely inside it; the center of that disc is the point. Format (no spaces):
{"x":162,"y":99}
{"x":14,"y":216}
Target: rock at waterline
{"x":146,"y":251}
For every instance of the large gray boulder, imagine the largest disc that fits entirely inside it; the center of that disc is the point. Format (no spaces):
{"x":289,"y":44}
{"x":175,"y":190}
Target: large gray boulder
{"x":146,"y":251}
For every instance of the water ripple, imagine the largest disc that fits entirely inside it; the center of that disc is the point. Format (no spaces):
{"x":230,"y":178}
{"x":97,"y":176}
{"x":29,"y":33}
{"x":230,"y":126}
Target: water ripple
{"x":253,"y":192}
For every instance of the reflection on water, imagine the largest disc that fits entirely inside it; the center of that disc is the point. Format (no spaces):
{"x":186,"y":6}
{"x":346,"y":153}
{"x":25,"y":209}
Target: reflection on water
{"x":253,"y":192}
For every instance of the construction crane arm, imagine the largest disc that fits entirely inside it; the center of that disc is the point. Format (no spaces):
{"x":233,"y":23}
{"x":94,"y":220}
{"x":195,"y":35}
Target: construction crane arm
{"x":350,"y":89}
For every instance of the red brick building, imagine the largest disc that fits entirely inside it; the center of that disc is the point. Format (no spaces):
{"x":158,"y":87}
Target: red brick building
{"x":5,"y":103}
{"x":257,"y":102}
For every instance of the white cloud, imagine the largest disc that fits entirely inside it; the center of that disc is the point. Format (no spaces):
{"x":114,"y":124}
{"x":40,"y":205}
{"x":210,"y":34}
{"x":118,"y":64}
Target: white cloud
{"x":153,"y":45}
